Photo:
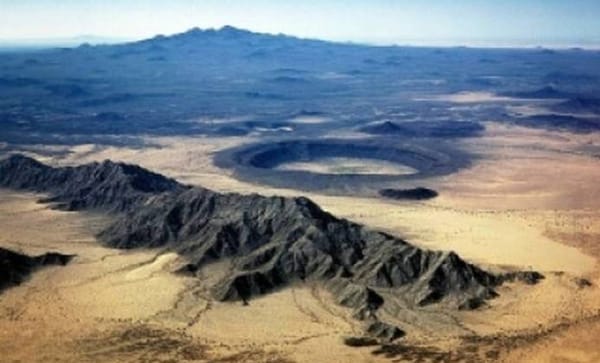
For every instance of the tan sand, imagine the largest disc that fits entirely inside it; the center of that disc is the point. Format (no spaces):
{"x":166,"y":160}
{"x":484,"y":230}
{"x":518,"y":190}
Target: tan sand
{"x":529,"y":202}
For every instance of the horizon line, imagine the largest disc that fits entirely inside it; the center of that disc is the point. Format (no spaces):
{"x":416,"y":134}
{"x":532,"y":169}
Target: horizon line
{"x":515,"y":43}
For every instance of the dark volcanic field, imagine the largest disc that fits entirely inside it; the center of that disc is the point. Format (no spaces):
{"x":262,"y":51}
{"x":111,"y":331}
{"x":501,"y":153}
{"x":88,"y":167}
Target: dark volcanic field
{"x":231,"y":83}
{"x":258,"y":83}
{"x":270,"y":242}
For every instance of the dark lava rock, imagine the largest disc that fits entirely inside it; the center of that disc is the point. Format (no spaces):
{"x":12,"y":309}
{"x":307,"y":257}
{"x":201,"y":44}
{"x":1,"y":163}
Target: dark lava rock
{"x":579,"y":104}
{"x":548,"y":92}
{"x":560,"y":122}
{"x":269,"y":241}
{"x":419,"y":193}
{"x":383,"y":128}
{"x":16,"y":267}
{"x":445,"y":129}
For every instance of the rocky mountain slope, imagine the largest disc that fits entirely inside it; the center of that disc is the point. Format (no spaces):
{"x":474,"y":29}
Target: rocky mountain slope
{"x":270,"y":242}
{"x":16,"y":267}
{"x":105,"y":185}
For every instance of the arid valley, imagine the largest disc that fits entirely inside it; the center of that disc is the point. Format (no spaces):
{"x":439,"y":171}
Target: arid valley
{"x":242,"y":217}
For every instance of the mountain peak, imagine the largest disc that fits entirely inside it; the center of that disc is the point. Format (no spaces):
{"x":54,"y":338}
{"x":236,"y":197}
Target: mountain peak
{"x":226,"y":31}
{"x":233,"y":30}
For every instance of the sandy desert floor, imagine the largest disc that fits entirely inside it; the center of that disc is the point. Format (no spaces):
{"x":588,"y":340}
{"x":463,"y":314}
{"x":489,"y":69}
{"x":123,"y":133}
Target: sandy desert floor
{"x":112,"y":305}
{"x":531,"y":201}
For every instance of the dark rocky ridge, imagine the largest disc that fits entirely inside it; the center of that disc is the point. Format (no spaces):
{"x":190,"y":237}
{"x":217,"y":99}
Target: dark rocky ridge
{"x":442,"y":129}
{"x":419,"y":193}
{"x":560,"y":122}
{"x":105,"y":185}
{"x":548,"y":92}
{"x":578,"y":105}
{"x":269,"y":241}
{"x":16,"y":267}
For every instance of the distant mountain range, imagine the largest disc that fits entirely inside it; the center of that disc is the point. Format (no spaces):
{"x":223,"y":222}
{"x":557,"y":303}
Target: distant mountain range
{"x":70,"y":41}
{"x":154,"y":86}
{"x":38,"y":43}
{"x":226,"y":32}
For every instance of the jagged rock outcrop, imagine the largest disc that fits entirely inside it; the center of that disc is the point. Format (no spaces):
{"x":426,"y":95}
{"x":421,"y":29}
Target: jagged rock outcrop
{"x":275,"y":240}
{"x":105,"y":185}
{"x":383,"y":331}
{"x":270,"y":241}
{"x":16,"y":267}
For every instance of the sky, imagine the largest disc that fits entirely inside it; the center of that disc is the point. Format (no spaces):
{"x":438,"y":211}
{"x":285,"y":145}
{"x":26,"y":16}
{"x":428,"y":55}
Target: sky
{"x":416,"y":22}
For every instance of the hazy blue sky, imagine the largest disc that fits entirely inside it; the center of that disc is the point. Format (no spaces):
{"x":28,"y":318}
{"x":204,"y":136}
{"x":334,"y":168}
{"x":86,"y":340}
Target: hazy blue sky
{"x":529,"y":22}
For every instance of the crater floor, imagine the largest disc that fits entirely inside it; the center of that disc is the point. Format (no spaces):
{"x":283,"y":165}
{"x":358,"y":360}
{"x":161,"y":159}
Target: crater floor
{"x":341,"y":165}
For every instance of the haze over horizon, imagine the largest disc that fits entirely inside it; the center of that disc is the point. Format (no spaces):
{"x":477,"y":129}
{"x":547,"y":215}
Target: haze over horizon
{"x":553,"y":23}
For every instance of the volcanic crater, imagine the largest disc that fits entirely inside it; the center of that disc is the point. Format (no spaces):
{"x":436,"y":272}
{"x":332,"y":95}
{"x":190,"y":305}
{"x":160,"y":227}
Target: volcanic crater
{"x":359,"y":165}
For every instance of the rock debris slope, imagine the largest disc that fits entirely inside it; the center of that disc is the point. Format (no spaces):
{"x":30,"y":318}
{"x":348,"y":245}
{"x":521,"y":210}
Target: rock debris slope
{"x":269,"y":241}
